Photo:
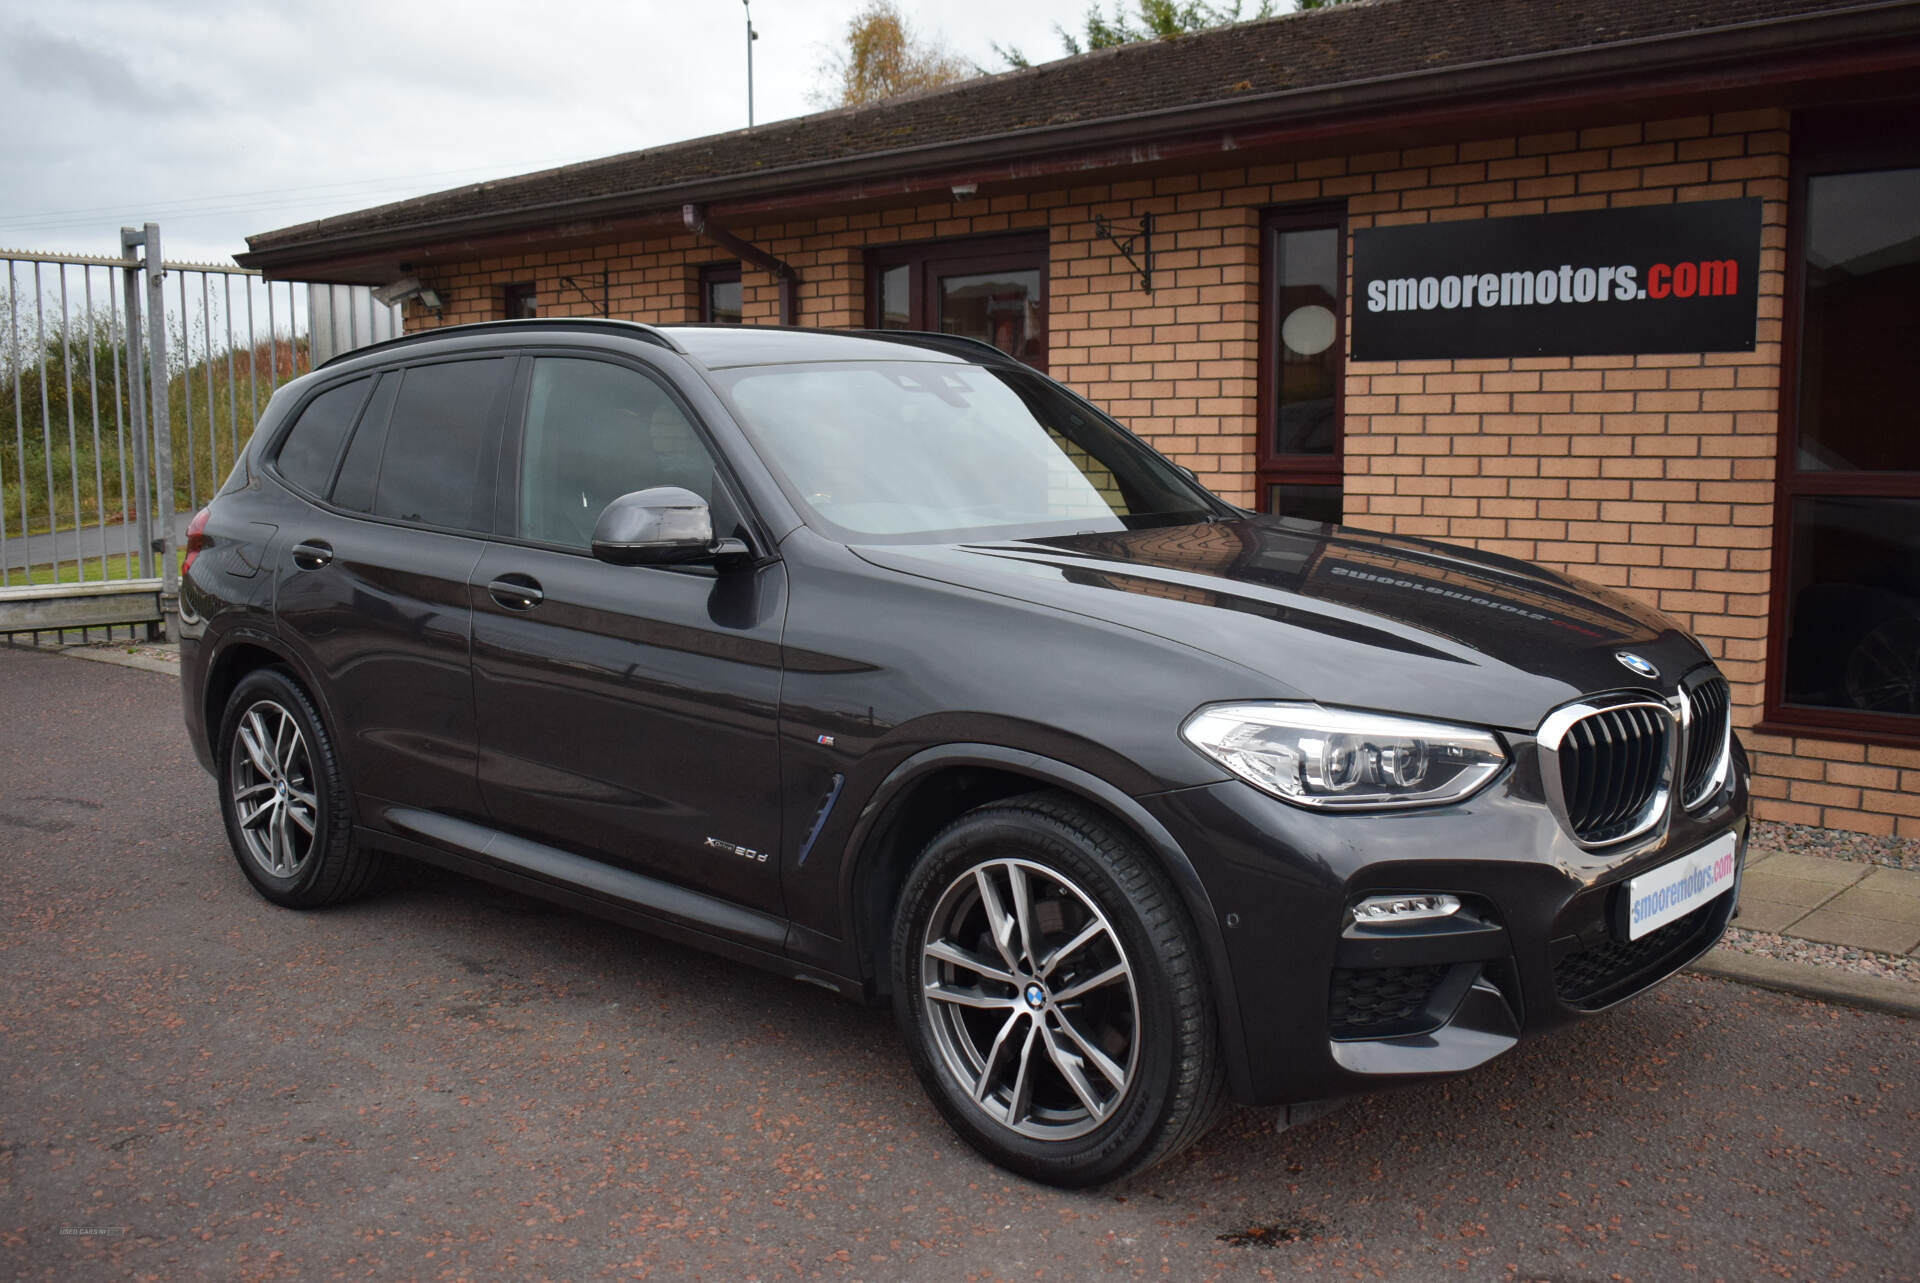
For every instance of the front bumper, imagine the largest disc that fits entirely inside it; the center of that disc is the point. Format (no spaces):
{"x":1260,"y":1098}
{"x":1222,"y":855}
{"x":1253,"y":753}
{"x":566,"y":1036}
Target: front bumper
{"x":1327,"y":1007}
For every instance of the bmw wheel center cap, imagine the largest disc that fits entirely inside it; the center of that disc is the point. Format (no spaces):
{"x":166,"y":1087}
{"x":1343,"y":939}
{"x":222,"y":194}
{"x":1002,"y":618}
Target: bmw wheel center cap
{"x":1036,"y":996}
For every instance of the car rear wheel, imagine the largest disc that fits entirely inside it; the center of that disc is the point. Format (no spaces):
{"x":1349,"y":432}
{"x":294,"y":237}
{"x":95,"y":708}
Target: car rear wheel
{"x":285,"y":798}
{"x":1050,"y":987}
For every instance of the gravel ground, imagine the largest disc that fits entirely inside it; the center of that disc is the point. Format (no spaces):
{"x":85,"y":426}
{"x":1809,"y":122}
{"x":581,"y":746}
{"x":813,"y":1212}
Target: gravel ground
{"x":1839,"y":957}
{"x":1837,"y":844}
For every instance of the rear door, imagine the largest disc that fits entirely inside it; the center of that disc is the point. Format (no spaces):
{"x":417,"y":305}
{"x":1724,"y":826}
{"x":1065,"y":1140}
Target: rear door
{"x":371,"y":579}
{"x":627,"y":713}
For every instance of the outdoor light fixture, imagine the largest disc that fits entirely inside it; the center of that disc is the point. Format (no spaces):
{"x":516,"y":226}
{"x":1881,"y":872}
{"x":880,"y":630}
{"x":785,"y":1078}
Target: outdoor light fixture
{"x":965,"y":191}
{"x":1391,"y":909}
{"x":405,"y":288}
{"x":398,"y":291}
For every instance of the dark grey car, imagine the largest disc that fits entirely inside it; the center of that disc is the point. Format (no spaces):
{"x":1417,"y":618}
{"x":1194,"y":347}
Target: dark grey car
{"x":889,"y":664}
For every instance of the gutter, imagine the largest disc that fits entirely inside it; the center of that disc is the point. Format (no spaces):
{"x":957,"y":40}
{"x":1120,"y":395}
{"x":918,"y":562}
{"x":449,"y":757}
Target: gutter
{"x":1614,"y":67}
{"x":695,"y":219}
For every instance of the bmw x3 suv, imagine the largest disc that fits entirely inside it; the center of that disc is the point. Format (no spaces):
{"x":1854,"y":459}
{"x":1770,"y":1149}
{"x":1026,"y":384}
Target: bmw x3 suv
{"x":887,"y":663}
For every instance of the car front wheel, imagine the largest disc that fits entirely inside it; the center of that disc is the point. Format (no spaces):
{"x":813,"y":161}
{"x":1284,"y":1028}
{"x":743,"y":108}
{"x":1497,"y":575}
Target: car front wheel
{"x":1051,"y":990}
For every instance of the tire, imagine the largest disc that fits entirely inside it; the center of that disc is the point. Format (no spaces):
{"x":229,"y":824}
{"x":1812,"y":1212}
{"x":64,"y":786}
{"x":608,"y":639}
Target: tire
{"x":1108,"y":1011}
{"x":272,"y":791}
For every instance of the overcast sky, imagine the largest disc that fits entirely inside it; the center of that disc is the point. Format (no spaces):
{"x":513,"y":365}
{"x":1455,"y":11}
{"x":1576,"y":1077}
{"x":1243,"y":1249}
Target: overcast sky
{"x":219,"y":118}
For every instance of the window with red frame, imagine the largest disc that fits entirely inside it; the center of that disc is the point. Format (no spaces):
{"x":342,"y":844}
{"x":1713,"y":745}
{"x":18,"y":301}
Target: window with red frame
{"x":1845,"y":639}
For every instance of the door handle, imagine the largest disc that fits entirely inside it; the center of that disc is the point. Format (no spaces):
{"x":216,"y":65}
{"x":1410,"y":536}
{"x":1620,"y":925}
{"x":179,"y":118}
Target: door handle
{"x":312,"y":554}
{"x":516,"y":592}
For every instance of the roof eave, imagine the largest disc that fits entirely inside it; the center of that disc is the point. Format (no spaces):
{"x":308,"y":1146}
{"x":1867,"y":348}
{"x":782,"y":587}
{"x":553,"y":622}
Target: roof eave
{"x":1725,"y":57}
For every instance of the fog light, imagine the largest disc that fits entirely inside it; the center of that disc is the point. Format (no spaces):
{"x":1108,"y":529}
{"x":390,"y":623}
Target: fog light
{"x":1390,"y":909}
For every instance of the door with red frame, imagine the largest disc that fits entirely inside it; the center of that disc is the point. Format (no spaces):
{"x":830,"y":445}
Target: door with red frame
{"x":1303,"y":345}
{"x":993,"y":289}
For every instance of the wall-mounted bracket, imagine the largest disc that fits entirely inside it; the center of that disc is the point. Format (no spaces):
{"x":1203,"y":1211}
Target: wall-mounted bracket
{"x":1134,"y":240}
{"x":606,"y":291}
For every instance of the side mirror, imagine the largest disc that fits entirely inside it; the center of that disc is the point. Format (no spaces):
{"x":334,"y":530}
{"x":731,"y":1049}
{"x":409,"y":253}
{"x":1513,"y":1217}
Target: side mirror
{"x":664,"y":526}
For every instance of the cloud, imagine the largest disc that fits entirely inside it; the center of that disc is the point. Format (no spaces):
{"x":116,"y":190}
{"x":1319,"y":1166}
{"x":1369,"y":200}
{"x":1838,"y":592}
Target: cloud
{"x":46,"y":61}
{"x":220,"y":118}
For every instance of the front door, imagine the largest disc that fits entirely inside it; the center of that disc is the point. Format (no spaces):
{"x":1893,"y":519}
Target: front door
{"x":992,"y":288}
{"x":626,"y":713}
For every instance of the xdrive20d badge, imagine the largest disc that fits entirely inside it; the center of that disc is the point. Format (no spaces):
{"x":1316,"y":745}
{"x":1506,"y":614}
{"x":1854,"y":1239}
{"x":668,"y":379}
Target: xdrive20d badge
{"x":884,"y":662}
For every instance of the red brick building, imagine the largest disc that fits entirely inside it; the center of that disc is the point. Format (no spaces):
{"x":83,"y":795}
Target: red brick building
{"x":1172,"y":227}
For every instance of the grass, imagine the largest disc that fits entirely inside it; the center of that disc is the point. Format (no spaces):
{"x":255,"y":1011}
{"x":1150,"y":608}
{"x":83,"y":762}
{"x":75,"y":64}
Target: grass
{"x":119,"y":566}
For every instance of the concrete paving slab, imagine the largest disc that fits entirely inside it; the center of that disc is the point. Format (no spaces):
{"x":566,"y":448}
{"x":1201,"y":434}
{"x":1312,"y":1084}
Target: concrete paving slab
{"x":1781,"y":889}
{"x":1811,"y":868}
{"x":1902,"y":882}
{"x":1757,"y":914}
{"x":1881,"y":907}
{"x":1833,"y":927}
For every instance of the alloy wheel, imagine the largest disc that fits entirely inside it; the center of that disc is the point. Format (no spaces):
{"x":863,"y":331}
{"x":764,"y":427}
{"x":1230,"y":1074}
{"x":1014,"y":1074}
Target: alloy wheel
{"x":1031,"y":999}
{"x":274,"y":801}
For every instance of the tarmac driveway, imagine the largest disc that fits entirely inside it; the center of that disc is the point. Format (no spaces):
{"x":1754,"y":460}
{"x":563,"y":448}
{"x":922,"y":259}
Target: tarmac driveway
{"x":449,"y":1082}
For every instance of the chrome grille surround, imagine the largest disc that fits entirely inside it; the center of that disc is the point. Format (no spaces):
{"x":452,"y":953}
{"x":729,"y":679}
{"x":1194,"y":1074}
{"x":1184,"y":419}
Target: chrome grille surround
{"x":1609,"y":764}
{"x":1708,"y":703}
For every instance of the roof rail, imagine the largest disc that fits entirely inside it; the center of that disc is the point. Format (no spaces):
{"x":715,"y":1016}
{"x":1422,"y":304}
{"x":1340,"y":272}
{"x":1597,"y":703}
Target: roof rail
{"x":957,"y":344}
{"x":627,"y":329}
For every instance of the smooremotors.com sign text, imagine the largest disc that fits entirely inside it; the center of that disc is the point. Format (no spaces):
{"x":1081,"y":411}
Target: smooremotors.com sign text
{"x":1608,"y":282}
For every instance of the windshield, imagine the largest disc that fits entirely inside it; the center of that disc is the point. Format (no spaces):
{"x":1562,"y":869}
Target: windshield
{"x":904,"y":450}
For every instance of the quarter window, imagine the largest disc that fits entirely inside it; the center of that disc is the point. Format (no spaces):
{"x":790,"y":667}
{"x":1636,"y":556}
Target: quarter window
{"x":437,"y":467}
{"x":595,"y":431}
{"x":307,"y":455}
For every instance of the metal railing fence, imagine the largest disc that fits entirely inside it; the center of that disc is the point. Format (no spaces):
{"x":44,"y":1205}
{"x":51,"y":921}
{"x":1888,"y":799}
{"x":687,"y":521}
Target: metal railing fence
{"x":128,"y":388}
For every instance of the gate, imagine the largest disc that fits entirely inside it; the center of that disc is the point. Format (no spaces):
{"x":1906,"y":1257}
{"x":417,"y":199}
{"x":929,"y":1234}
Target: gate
{"x":128,"y":388}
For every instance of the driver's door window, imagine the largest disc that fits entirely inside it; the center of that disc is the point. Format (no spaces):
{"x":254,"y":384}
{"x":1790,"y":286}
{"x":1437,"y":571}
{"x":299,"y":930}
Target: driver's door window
{"x":595,"y":431}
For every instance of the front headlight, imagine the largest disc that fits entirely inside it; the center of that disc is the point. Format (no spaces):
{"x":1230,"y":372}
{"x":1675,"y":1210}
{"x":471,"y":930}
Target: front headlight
{"x":1334,"y":758}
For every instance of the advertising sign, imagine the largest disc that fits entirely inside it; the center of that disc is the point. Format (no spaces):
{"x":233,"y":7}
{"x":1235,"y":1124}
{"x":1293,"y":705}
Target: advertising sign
{"x":1607,"y":282}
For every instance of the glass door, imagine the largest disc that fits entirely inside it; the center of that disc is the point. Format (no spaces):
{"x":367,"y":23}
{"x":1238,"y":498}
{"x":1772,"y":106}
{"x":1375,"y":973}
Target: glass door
{"x":992,"y":290}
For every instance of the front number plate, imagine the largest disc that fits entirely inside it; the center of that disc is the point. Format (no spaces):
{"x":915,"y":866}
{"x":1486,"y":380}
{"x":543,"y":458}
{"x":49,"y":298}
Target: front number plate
{"x":1680,"y":886}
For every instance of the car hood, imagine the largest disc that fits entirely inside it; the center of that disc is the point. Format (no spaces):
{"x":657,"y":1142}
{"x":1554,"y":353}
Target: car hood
{"x":1335,"y":615}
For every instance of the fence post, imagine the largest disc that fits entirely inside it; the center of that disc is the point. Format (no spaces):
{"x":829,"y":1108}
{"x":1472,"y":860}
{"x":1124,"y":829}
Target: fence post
{"x":162,"y":543}
{"x":131,"y":238}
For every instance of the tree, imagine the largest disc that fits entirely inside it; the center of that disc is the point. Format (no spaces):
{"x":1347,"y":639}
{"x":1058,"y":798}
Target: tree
{"x":1152,"y":20}
{"x":885,"y":56}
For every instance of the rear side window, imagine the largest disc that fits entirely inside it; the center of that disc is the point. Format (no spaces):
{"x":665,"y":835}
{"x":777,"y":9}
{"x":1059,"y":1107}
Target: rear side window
{"x":306,"y":456}
{"x":360,"y":469}
{"x":594,"y":432}
{"x":437,"y":468}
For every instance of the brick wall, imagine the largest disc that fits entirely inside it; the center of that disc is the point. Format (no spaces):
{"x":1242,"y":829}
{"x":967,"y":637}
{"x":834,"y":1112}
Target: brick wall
{"x":1650,"y":474}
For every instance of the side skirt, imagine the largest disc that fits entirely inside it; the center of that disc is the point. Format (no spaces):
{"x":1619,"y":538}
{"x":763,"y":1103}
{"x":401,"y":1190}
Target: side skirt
{"x":589,"y":886}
